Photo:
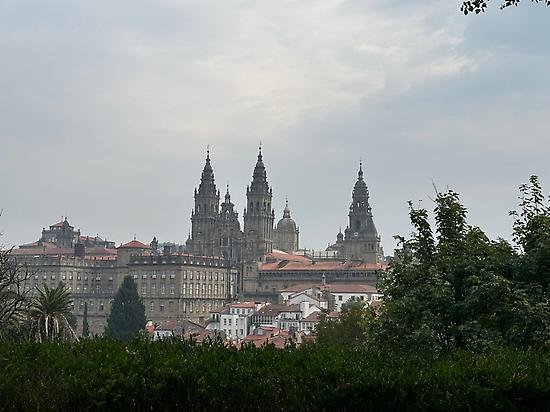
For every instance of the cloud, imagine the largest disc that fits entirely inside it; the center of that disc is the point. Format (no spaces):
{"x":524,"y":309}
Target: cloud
{"x":107,"y":108}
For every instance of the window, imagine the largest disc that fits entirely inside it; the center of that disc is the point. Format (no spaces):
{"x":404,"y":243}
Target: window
{"x":170,"y":306}
{"x":183,"y":288}
{"x":339,"y":297}
{"x":162,"y":289}
{"x":172,"y":289}
{"x":152,"y":307}
{"x":144,"y":276}
{"x":153,"y":288}
{"x":143,"y":289}
{"x":161,"y":307}
{"x":135,"y":276}
{"x":224,"y":321}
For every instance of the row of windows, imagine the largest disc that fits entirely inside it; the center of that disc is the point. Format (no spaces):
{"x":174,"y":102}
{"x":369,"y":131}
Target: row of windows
{"x":191,"y":289}
{"x":80,"y":288}
{"x":198,"y":275}
{"x":71,"y":277}
{"x":185,"y":306}
{"x":228,"y":321}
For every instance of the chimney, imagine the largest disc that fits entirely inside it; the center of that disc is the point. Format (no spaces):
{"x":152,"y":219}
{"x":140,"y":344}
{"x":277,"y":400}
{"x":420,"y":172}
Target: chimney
{"x":304,"y":308}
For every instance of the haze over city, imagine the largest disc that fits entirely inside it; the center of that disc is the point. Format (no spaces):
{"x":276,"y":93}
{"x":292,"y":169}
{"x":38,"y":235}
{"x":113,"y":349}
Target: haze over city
{"x":107,"y":110}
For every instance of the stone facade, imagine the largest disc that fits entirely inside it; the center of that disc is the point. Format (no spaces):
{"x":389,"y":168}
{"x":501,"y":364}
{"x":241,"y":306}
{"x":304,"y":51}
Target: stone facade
{"x":173,"y":287}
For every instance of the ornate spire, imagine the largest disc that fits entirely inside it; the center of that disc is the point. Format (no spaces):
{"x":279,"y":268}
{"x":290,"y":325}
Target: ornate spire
{"x":207,"y":185}
{"x":360,"y":190}
{"x":259,"y":177}
{"x":227,"y":195}
{"x":286,"y":211}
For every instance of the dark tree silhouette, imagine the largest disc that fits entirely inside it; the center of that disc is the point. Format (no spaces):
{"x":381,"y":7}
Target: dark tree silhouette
{"x":127,"y":316}
{"x":478,"y":6}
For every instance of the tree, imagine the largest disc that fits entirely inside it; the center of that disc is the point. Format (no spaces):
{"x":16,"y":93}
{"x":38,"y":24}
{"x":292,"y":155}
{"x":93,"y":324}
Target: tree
{"x":127,"y":316}
{"x":348,"y":329}
{"x":478,"y":6}
{"x":13,"y":299}
{"x":85,"y":327}
{"x":49,"y":314}
{"x":457,"y":288}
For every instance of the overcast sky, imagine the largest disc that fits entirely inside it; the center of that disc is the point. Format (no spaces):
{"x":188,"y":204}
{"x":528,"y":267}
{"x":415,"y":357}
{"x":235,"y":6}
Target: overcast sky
{"x":106,"y":109}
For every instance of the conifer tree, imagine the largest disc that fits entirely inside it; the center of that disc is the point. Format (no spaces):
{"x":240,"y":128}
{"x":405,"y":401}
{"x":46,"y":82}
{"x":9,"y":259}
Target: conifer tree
{"x":127,"y":316}
{"x":85,"y":326}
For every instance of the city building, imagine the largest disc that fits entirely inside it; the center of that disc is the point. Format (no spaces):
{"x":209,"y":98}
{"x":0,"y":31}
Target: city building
{"x":223,"y":262}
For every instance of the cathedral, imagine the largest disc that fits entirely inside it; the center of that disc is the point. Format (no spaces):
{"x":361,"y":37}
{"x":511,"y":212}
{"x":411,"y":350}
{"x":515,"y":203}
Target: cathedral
{"x":216,"y":229}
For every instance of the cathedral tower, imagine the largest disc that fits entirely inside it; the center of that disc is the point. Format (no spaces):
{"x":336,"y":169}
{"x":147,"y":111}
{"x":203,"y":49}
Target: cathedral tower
{"x":361,"y":240}
{"x":204,"y":240}
{"x":230,"y":235}
{"x":258,"y":216}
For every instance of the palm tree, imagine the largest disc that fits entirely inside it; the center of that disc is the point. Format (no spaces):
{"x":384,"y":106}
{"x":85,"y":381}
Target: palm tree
{"x":49,"y":313}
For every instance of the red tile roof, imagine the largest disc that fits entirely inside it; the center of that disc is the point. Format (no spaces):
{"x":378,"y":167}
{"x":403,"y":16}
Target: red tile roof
{"x":243,"y":305}
{"x":135,"y":244}
{"x":334,"y":288}
{"x":321,"y":266}
{"x":271,"y":310}
{"x":291,"y":308}
{"x":280,"y":255}
{"x":52,"y":250}
{"x":59,"y":224}
{"x":313,"y":317}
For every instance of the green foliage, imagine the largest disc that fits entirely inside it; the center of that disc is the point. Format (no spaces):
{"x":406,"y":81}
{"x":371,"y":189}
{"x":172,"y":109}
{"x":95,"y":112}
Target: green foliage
{"x":97,"y":374}
{"x":127,"y":316}
{"x":461,"y":289}
{"x":49,"y":314}
{"x":85,"y":327}
{"x":479,"y":6}
{"x":348,"y":329}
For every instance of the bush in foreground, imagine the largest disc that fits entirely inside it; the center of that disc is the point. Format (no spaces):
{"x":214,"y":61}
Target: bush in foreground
{"x":100,"y":374}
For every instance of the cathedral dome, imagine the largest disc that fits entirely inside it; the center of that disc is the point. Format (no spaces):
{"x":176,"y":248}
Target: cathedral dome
{"x":286,"y":224}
